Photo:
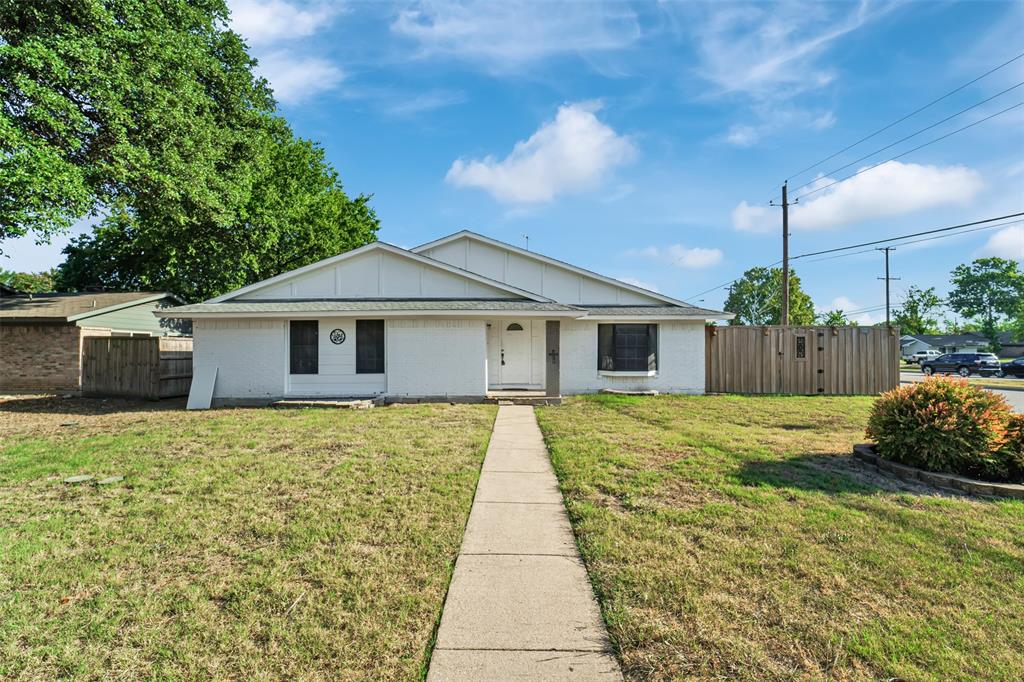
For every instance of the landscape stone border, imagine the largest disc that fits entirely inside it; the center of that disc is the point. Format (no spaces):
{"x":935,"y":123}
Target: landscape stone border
{"x":866,"y":453}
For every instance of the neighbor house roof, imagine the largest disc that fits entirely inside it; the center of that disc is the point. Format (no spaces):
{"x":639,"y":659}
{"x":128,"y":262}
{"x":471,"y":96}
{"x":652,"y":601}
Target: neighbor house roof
{"x":419,"y":306}
{"x":73,"y":307}
{"x":949,"y":339}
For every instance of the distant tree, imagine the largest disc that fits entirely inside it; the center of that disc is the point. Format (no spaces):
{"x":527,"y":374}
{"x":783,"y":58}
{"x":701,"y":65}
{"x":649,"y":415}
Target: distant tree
{"x":30,"y":282}
{"x":835,"y":318}
{"x":917,"y":314}
{"x":756,"y":298}
{"x":987,"y":289}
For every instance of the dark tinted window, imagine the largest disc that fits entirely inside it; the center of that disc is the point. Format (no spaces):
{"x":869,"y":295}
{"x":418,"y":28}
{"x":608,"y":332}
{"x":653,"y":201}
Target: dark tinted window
{"x":369,"y":346}
{"x":303,"y":350}
{"x":627,"y":347}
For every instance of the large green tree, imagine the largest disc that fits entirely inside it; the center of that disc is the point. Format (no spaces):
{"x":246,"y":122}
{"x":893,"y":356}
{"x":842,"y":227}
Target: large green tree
{"x":147,"y":113}
{"x":988,"y":289}
{"x":756,"y":298}
{"x":917,"y":315}
{"x":296,"y":213}
{"x":121,"y":100}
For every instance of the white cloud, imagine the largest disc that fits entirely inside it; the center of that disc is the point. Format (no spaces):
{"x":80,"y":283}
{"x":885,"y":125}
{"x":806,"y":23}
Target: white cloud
{"x":1006,"y":243}
{"x":891,"y":189}
{"x":504,"y":36}
{"x":262,"y":22}
{"x":771,"y":50}
{"x":680,"y":256}
{"x":296,"y":78}
{"x":427,"y":101}
{"x":638,"y":283}
{"x":572,"y":153}
{"x":747,"y":218}
{"x":846,"y":305}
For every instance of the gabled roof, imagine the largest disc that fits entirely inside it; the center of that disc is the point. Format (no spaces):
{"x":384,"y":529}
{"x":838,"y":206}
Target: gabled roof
{"x":376,"y":306}
{"x":73,"y":307}
{"x":549,"y":261}
{"x":373,"y":246}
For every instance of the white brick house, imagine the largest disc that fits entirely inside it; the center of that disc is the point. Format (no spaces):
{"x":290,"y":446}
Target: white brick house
{"x":462,"y":318}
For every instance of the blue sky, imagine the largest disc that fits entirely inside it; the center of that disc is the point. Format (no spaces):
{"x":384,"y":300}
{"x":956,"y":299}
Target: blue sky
{"x":644,"y":141}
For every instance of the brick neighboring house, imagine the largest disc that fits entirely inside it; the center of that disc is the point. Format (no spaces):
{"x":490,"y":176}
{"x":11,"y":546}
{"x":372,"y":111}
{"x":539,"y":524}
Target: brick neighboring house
{"x":41,"y":334}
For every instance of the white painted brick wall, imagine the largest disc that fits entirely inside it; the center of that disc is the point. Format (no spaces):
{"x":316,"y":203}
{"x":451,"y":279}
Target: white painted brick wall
{"x":436,"y":357}
{"x":250,"y":356}
{"x":680,"y":360}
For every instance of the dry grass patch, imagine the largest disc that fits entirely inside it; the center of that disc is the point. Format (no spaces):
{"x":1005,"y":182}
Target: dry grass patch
{"x":744,"y":543}
{"x":257,"y":544}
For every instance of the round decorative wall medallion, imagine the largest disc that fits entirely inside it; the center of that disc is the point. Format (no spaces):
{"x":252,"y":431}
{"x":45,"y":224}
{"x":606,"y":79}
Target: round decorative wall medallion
{"x":337,"y":336}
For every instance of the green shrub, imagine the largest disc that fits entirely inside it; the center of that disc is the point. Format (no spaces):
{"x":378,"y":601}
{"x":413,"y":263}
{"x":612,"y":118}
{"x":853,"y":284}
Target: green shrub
{"x":946,"y":425}
{"x":1012,"y":449}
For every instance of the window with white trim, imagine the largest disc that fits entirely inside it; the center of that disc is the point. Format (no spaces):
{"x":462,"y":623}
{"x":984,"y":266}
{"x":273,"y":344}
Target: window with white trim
{"x":627,"y":347}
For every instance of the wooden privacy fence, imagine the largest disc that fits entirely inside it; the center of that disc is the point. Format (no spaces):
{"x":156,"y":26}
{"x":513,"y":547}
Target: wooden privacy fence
{"x":802,"y":360}
{"x":151,"y":368}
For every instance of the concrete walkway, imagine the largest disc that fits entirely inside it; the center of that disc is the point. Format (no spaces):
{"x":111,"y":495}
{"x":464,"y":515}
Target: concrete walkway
{"x":520,"y":605}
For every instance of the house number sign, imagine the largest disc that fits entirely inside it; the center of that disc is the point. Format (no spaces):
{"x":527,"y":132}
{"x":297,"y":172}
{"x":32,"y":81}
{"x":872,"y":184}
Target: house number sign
{"x":337,"y":336}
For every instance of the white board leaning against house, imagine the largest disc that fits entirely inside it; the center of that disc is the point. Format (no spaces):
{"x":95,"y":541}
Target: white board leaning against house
{"x":461,"y":318}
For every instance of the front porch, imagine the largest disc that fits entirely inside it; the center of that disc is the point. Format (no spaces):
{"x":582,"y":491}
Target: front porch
{"x":523,"y":361}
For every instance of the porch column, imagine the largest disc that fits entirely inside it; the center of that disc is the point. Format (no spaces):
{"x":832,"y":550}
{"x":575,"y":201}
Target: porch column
{"x":552,"y":381}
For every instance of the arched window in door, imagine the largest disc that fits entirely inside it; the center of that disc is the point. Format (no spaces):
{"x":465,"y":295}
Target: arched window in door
{"x":514,"y":327}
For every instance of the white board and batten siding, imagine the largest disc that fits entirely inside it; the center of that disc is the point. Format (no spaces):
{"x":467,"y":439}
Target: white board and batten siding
{"x":551,"y":280}
{"x":376,"y":274}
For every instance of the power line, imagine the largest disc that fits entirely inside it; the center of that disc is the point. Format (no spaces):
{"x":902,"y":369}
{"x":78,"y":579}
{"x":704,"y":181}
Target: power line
{"x":916,"y":133}
{"x":918,"y":241}
{"x":908,"y":236}
{"x":909,"y":151}
{"x":901,"y":120}
{"x":879,"y":241}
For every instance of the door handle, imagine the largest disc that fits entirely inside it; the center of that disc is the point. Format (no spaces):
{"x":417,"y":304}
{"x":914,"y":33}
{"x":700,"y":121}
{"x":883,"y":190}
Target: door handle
{"x":503,"y":357}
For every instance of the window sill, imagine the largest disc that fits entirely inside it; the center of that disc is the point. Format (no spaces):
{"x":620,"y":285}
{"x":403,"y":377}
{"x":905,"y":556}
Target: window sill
{"x":610,"y":373}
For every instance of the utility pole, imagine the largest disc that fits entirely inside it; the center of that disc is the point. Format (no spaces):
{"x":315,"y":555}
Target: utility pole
{"x":887,"y":279}
{"x":785,"y":252}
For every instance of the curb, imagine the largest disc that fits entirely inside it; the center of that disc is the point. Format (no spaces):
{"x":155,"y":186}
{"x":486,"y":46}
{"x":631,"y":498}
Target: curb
{"x":866,"y":453}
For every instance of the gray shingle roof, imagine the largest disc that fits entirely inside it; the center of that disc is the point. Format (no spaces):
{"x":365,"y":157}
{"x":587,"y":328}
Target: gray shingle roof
{"x":649,"y":310}
{"x":236,"y":307}
{"x":65,"y":306}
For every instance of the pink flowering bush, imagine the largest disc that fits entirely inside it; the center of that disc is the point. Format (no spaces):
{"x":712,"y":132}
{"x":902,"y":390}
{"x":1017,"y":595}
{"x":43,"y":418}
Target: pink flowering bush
{"x":950,"y":426}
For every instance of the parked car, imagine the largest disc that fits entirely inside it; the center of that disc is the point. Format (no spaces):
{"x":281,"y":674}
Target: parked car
{"x":1013,"y":369}
{"x":964,"y":364}
{"x":922,"y":355}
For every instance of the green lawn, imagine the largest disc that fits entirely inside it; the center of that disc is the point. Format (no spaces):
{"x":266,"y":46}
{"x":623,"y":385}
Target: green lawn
{"x":733,"y":537}
{"x":246,"y":544}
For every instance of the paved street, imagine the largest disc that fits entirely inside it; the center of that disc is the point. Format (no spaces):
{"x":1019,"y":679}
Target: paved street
{"x":1013,"y":396}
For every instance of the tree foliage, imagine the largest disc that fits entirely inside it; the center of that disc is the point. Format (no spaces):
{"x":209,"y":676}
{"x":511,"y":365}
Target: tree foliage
{"x":987,"y":289}
{"x":917,"y":315}
{"x":756,"y":298}
{"x":835,"y":318}
{"x":148,"y":114}
{"x":30,"y":282}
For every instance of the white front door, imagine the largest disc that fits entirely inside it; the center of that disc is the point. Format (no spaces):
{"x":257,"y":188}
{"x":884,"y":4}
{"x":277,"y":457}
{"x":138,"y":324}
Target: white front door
{"x":515,"y":352}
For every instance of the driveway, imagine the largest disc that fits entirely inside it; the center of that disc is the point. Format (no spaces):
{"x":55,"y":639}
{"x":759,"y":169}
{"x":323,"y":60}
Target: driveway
{"x":1014,"y":396}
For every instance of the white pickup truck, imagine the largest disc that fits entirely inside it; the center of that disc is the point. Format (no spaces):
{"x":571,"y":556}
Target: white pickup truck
{"x":922,"y":355}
